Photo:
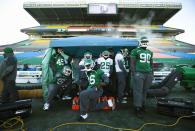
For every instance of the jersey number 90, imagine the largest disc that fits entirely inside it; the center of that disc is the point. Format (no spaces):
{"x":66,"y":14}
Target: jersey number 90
{"x":144,"y":57}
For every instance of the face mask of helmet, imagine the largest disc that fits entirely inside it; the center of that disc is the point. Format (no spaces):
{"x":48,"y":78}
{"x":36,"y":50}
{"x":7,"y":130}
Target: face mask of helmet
{"x":88,"y":56}
{"x":88,"y":65}
{"x":67,"y":71}
{"x":106,"y":54}
{"x":143,"y":44}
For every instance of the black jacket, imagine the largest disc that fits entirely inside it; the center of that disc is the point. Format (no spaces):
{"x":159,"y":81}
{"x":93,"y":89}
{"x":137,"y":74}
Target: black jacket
{"x":8,"y":68}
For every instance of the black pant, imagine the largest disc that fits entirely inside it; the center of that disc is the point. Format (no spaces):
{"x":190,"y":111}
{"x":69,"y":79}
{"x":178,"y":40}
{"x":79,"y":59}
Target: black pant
{"x":121,"y":82}
{"x":9,"y":93}
{"x":55,"y":89}
{"x":88,"y":100}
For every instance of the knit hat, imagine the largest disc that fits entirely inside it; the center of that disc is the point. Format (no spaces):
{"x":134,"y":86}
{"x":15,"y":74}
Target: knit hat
{"x":8,"y":50}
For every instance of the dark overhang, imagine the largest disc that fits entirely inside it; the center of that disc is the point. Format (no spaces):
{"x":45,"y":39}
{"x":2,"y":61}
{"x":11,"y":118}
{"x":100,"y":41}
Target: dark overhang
{"x":128,"y":12}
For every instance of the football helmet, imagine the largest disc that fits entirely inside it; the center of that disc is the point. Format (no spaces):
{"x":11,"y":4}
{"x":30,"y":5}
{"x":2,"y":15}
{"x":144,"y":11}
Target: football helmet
{"x":106,"y":54}
{"x":67,"y":71}
{"x":143,"y":42}
{"x":125,"y":52}
{"x":89,"y":64}
{"x":87,"y":55}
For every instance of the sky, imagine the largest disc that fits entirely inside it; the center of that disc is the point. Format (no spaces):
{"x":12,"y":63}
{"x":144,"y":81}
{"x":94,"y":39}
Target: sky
{"x":14,"y":18}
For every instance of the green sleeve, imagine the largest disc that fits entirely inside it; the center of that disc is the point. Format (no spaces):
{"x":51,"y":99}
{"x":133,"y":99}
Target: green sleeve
{"x":100,"y":72}
{"x":64,"y":55}
{"x":133,"y":53}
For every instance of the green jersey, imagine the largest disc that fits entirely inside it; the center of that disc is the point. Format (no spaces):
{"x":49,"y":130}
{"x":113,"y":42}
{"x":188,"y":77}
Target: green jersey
{"x":143,"y":59}
{"x":94,"y":77}
{"x":61,"y":80}
{"x":58,"y":62}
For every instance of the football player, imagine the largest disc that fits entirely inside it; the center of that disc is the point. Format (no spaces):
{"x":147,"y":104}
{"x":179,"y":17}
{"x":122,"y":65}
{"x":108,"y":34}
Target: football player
{"x":105,"y":63}
{"x":121,"y":74}
{"x":87,"y":55}
{"x":142,"y":73}
{"x":88,"y":97}
{"x":61,"y":85}
{"x":58,"y":60}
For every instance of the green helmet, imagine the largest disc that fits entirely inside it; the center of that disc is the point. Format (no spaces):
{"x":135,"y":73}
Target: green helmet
{"x":89,"y":64}
{"x":67,"y":71}
{"x":106,"y":54}
{"x":143,"y":42}
{"x":88,"y":55}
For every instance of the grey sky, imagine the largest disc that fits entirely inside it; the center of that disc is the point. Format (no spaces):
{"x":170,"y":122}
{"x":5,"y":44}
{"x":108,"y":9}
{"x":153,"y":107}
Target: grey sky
{"x":14,"y":18}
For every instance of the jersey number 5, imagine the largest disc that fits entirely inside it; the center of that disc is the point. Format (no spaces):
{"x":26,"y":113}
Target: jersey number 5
{"x":144,"y":57}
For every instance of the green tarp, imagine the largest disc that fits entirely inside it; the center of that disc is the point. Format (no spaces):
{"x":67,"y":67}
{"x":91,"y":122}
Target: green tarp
{"x":175,"y":61}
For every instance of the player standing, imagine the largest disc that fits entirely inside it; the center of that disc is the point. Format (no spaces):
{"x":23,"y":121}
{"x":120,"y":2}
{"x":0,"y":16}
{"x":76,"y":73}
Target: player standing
{"x":142,"y":73}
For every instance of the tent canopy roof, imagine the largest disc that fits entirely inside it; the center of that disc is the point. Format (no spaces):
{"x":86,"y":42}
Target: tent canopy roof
{"x":93,"y":41}
{"x":76,"y":46}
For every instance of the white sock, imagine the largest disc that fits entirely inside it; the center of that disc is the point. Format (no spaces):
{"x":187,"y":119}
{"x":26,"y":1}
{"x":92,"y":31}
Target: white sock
{"x":110,"y":103}
{"x":84,"y":116}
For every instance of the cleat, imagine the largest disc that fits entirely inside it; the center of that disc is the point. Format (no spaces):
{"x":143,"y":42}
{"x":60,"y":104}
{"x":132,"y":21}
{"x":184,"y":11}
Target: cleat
{"x":112,"y":104}
{"x":46,"y":106}
{"x":66,"y":98}
{"x":139,"y":113}
{"x":82,"y":117}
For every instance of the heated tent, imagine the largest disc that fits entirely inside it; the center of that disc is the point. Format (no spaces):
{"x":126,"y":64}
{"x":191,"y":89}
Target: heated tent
{"x":76,"y":46}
